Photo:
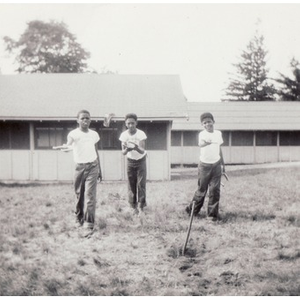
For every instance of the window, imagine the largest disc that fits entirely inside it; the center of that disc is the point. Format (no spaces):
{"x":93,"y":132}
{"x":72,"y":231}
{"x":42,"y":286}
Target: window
{"x":225,"y":136}
{"x":176,"y":138}
{"x":49,"y":134}
{"x":52,"y":134}
{"x":242,"y":138}
{"x":4,"y":136}
{"x":109,"y":136}
{"x":109,"y":139}
{"x":156,"y":135}
{"x":290,"y":138}
{"x":190,"y":138}
{"x":266,"y":138}
{"x":14,"y":135}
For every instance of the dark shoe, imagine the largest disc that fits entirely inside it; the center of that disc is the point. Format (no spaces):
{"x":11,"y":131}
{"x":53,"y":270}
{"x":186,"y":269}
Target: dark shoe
{"x":79,"y":223}
{"x":86,"y":232}
{"x":188,"y":210}
{"x":142,"y":216}
{"x":135,"y":211}
{"x":212,"y":219}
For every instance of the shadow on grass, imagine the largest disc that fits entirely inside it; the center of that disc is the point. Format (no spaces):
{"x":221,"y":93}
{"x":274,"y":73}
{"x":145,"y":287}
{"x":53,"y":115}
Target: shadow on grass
{"x":289,"y":255}
{"x":192,"y":173}
{"x":176,"y":251}
{"x":287,"y":284}
{"x":256,"y":217}
{"x":15,"y":184}
{"x":250,"y":172}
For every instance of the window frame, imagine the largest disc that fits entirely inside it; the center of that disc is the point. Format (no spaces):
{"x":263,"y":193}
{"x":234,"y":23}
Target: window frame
{"x":240,"y":142}
{"x":15,"y":135}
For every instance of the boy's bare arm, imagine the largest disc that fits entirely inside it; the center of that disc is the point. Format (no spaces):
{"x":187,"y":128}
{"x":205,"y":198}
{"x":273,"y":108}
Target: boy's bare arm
{"x":65,"y":147}
{"x":203,"y":143}
{"x":125,"y":149}
{"x":140,"y":148}
{"x":222,"y":160}
{"x":98,"y":159}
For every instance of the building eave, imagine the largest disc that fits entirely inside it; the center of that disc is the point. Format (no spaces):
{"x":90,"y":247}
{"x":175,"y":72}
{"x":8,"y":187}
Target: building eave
{"x":100,"y":119}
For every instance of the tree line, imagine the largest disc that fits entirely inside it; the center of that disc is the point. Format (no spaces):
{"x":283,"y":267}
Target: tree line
{"x":49,"y":47}
{"x":251,"y":81}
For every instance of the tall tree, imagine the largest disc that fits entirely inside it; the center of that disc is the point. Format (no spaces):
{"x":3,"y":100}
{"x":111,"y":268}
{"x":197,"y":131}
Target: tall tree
{"x":290,"y":88}
{"x":48,"y":48}
{"x":251,"y":81}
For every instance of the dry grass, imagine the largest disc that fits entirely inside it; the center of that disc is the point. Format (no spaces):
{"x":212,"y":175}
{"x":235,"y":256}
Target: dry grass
{"x":253,"y":250}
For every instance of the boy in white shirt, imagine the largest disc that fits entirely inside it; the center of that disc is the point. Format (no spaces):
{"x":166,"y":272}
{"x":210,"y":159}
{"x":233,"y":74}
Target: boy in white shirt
{"x":83,"y":141}
{"x":133,"y":146}
{"x":209,"y":169}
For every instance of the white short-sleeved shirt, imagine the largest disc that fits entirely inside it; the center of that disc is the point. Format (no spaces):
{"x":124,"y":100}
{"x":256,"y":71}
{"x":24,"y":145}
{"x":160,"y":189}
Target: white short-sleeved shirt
{"x":210,"y":154}
{"x":126,"y":137}
{"x":84,"y":145}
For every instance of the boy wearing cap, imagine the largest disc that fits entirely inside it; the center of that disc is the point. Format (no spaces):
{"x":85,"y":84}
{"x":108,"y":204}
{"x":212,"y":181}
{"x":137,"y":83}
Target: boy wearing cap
{"x":209,"y":169}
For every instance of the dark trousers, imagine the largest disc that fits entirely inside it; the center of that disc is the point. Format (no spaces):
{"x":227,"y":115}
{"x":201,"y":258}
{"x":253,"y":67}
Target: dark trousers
{"x":85,"y":184}
{"x":209,"y":177}
{"x":137,"y":173}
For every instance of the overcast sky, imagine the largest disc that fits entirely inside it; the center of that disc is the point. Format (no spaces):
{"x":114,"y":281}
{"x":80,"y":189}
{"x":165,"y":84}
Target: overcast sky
{"x":199,"y":42}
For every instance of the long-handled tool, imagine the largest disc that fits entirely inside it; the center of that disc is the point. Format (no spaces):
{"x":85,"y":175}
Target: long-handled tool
{"x":192,"y":216}
{"x":226,"y":176}
{"x":189,"y":229}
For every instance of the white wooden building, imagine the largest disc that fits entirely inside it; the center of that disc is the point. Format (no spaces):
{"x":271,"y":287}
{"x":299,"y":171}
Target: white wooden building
{"x":38,"y":110}
{"x":253,"y":132}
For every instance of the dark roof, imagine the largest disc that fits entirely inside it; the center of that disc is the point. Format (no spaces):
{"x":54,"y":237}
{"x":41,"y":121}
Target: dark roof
{"x":266,"y":115}
{"x":61,"y":96}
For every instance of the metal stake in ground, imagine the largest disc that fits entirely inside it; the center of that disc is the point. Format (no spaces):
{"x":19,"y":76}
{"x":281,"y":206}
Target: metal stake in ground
{"x":189,"y":229}
{"x":225,"y":175}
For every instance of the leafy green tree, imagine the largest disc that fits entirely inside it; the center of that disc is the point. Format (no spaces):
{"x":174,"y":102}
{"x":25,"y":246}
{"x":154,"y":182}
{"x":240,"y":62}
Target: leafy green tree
{"x":290,"y":88}
{"x":251,"y":81}
{"x":48,"y":48}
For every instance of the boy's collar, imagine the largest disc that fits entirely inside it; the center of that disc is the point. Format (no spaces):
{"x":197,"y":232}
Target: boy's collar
{"x":133,"y":132}
{"x":83,"y":130}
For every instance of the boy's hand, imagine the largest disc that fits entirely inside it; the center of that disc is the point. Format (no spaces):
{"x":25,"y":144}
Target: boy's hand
{"x":131,"y":146}
{"x":127,"y":148}
{"x":64,"y":148}
{"x":209,"y":142}
{"x":99,"y":177}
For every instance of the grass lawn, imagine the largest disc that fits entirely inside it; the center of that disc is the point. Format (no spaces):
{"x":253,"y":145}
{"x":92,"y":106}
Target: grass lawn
{"x":254,"y":250}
